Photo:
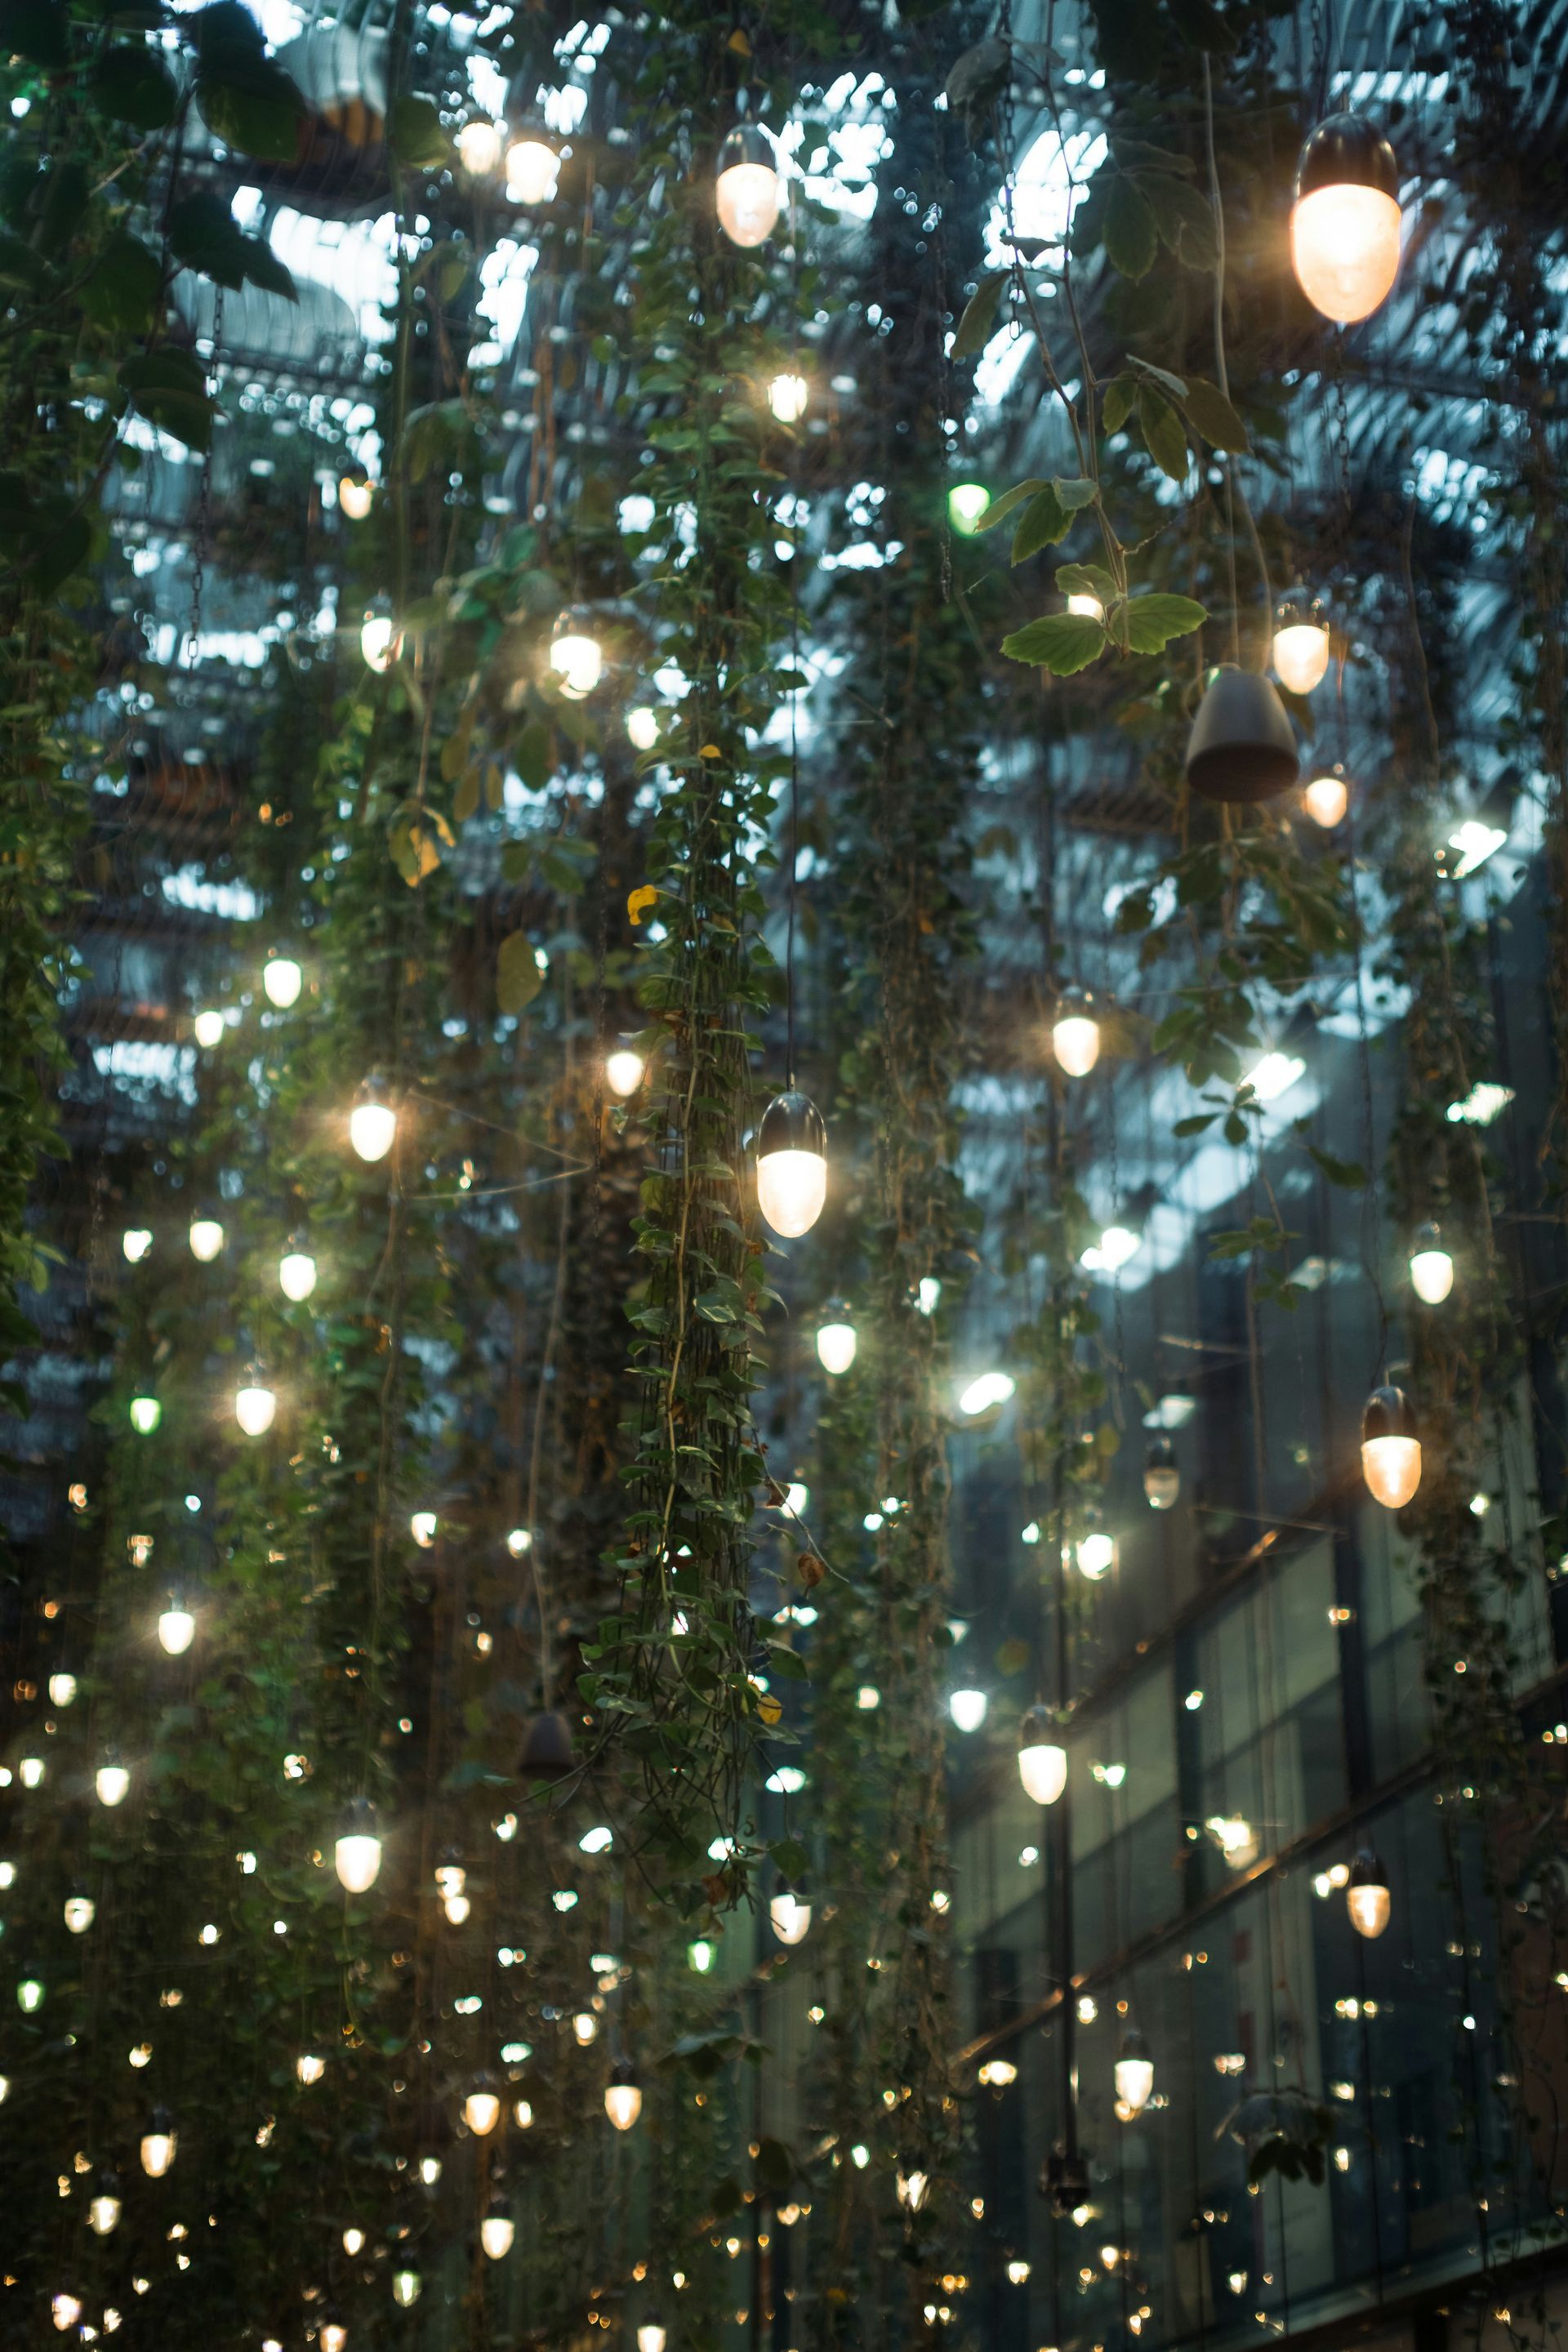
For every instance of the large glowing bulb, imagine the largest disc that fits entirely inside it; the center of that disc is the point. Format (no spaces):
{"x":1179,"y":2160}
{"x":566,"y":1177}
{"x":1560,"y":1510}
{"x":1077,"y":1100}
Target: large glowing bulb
{"x":159,"y":2144}
{"x":1367,"y":1897}
{"x":1390,"y":1448}
{"x":1345,"y":222}
{"x":422,"y":1527}
{"x":379,"y":642}
{"x":623,"y":1071}
{"x":584,"y":2028}
{"x":31,"y":1770}
{"x":1301,"y":651}
{"x":64,"y":2310}
{"x":911,"y":2189}
{"x":209,"y":1026}
{"x":787,"y":397}
{"x":1096,"y":1554}
{"x":176,"y":1627}
{"x":353,"y":2239}
{"x":1042,"y":1759}
{"x":789,"y":1915}
{"x":406,"y":2287}
{"x":112,"y":1783}
{"x":1135,"y":2072}
{"x":62,"y":1689}
{"x":146,"y":1412}
{"x":792,"y":1164}
{"x":642,"y":726}
{"x":1074,"y":1037}
{"x":836,"y":1346}
{"x":479,"y":149}
{"x":373,"y":1122}
{"x":652,"y":2335}
{"x":80,"y":1913}
{"x":136,"y":1241}
{"x":576,"y":656}
{"x":332,"y":2336}
{"x":497,"y":2231}
{"x":357,"y":1855}
{"x":295,"y":1275}
{"x":481,"y":2110}
{"x":282,"y":979}
{"x":103,"y":2213}
{"x":356,"y":493}
{"x":254,"y":1409}
{"x":623,"y":2097}
{"x":532,"y":167}
{"x":1327,"y":798}
{"x":747,"y":192}
{"x":967,"y":1708}
{"x":310,"y":2067}
{"x":207,"y":1239}
{"x":1431,"y":1267}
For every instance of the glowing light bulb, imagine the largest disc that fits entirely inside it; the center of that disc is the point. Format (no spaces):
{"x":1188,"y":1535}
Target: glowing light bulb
{"x":135,"y":1241}
{"x":479,"y":149}
{"x":30,"y":1995}
{"x":1042,"y":1759}
{"x":1086,"y":607}
{"x":254,"y":1409}
{"x":457,"y":1908}
{"x":1096,"y":1554}
{"x":406,"y":2287}
{"x":787,"y":397}
{"x":700,"y":1956}
{"x":642,"y":726}
{"x":519,"y":1542}
{"x":422,"y":1527}
{"x":623,"y":2097}
{"x":331,"y":2336}
{"x":912,"y":2188}
{"x":354,"y":2241}
{"x":356,"y":494}
{"x":80,"y":1913}
{"x":1390,"y":1448}
{"x":523,"y":2115}
{"x":789,"y":1915}
{"x":112,"y":1783}
{"x":1018,"y":2273}
{"x":308,"y":2067}
{"x":1135,"y":2072}
{"x":429,"y":2170}
{"x":1367,"y":1897}
{"x":295,"y":1275}
{"x":379,"y":642}
{"x":1345,"y":222}
{"x":481,"y":2110}
{"x":146,"y":1412}
{"x":968,"y":1709}
{"x":282,"y":979}
{"x":1074,"y":1035}
{"x":177,"y":1628}
{"x":103,"y":2213}
{"x":623,"y":1071}
{"x":1327,"y":798}
{"x":1431,"y":1267}
{"x":836,"y":1346}
{"x":585,"y":2027}
{"x":373,"y":1122}
{"x":497,"y":2231}
{"x":357,"y":1855}
{"x":792,"y":1164}
{"x":576,"y":657}
{"x":1301,"y":651}
{"x":747,"y":191}
{"x":1162,"y":1475}
{"x":533,"y":168}
{"x":160,"y":2143}
{"x":652,"y":2335}
{"x":66,"y":2310}
{"x":207,"y":1239}
{"x":31,"y":1771}
{"x":62,"y":1689}
{"x":966,"y":502}
{"x":209,"y":1026}
{"x":998,"y":2073}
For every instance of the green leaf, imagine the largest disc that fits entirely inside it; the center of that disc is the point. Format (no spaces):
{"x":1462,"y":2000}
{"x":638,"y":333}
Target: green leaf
{"x":170,"y":389}
{"x":121,"y":293}
{"x":1131,"y":237}
{"x":131,"y":84}
{"x":1076,"y":492}
{"x":979,"y":316}
{"x":785,"y":1662}
{"x":1196,"y":1124}
{"x":203,"y":235}
{"x":999,"y":509}
{"x":1153,"y":621}
{"x":1117,"y":406}
{"x":1211,"y":414}
{"x":1176,"y":385}
{"x":1184,"y":218}
{"x":1060,"y":642}
{"x":531,"y":753}
{"x":1348,"y":1173}
{"x":1087,"y":580}
{"x":245,"y":96}
{"x":65,"y":195}
{"x":517,"y":976}
{"x":1137,"y":156}
{"x":978,"y":79}
{"x":1163,"y":433}
{"x":1043,"y":523}
{"x":417,"y":137}
{"x":790,"y":1856}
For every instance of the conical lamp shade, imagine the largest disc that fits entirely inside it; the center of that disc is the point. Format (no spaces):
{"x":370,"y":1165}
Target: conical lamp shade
{"x":546,"y":1749}
{"x":1243,"y":746}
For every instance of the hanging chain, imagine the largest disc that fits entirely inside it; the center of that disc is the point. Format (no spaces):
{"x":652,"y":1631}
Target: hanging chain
{"x":204,"y":507}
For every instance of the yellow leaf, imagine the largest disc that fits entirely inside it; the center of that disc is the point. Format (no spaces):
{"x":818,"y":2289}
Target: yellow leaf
{"x":769,"y":1708}
{"x":640,"y":901}
{"x":711,"y":751}
{"x":739,"y":43}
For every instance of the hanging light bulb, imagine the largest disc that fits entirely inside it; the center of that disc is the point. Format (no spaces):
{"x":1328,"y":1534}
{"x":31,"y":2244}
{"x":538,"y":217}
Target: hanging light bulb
{"x":255,"y":1408}
{"x":1390,"y":1448}
{"x":450,"y":1875}
{"x":104,"y":2212}
{"x":497,"y":2231}
{"x":913,"y":2188}
{"x":623,"y":1071}
{"x":1134,"y":2071}
{"x":546,"y":1749}
{"x":422,"y":1527}
{"x":159,"y":2143}
{"x":533,"y":168}
{"x":373,"y":1121}
{"x":623,"y":2095}
{"x":1074,"y":1033}
{"x":1345,"y":221}
{"x":64,"y":2310}
{"x":968,"y":1709}
{"x":1327,"y":797}
{"x":31,"y":1771}
{"x":136,"y":1243}
{"x":1243,"y":746}
{"x":748,"y":193}
{"x":356,"y":494}
{"x":576,"y":655}
{"x":966,"y":502}
{"x":80,"y":1911}
{"x":585,"y":2027}
{"x":308,"y":2067}
{"x":792,"y":1164}
{"x":1431,"y":1267}
{"x":789,"y":1914}
{"x":652,"y":2334}
{"x":835,"y":1345}
{"x":176,"y":1627}
{"x":380,"y":641}
{"x":642,"y":726}
{"x":354,"y":2240}
{"x":787,"y":397}
{"x":209,"y":1026}
{"x":406,"y":2287}
{"x":1096,"y":1554}
{"x":356,"y":1856}
{"x":1302,"y":646}
{"x":146,"y":1412}
{"x":30,"y":1995}
{"x":1162,"y":1474}
{"x":62,"y":1689}
{"x":1367,"y":1897}
{"x":429,"y":2170}
{"x":297,"y":1275}
{"x":331,"y":2336}
{"x":457,"y":1908}
{"x":282,"y":979}
{"x":481,"y":2108}
{"x":479,"y":148}
{"x":1042,"y":1759}
{"x":112,"y":1783}
{"x":207,"y":1239}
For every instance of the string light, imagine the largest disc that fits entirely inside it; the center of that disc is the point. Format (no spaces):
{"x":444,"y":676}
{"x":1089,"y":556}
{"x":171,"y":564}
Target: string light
{"x":1042,"y":1759}
{"x":1367,"y":1897}
{"x":652,"y":2335}
{"x":64,"y":2310}
{"x":422,"y":1527}
{"x":1431,"y":1267}
{"x":584,"y":2028}
{"x":136,"y":1243}
{"x":532,"y":169}
{"x":373,"y":1121}
{"x":297,"y":1275}
{"x":104,"y":2210}
{"x":62,"y":1690}
{"x":1096,"y":1554}
{"x":1074,"y":1033}
{"x":1327,"y":797}
{"x":642,"y":726}
{"x":112,"y":1783}
{"x":331,"y":2336}
{"x":835,"y":1345}
{"x":1390,"y":1448}
{"x":282,"y":980}
{"x":966,"y":502}
{"x":310,"y":2068}
{"x":159,"y":2142}
{"x":968,"y":1709}
{"x":255,"y":1408}
{"x":576,"y":655}
{"x":209,"y":1026}
{"x":789,"y":1914}
{"x":746,"y":191}
{"x":176,"y":1627}
{"x":80,"y":1912}
{"x":913,"y":2189}
{"x":481,"y":2108}
{"x":623,"y":1071}
{"x":497,"y":2231}
{"x":406,"y":2287}
{"x":30,"y":1995}
{"x":998,"y":2074}
{"x":623,"y":2095}
{"x":357,"y":1855}
{"x":1135,"y":2072}
{"x":31,"y":1770}
{"x":792,"y":1164}
{"x":380,"y":641}
{"x":354,"y":2240}
{"x":205,"y":1239}
{"x":1345,"y":221}
{"x":787,"y":397}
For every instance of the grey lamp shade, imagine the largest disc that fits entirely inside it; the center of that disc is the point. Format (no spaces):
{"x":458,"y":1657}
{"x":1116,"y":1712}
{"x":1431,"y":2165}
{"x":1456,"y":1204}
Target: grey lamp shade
{"x":1243,"y":746}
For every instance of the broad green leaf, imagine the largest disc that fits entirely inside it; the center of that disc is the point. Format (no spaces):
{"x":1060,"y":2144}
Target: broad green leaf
{"x":1174,"y":385}
{"x":1132,"y":239}
{"x":1117,"y":406}
{"x":1086,"y":580}
{"x":170,"y":389}
{"x":417,"y":137}
{"x":999,"y":509}
{"x":1152,"y":622}
{"x":1043,"y":523}
{"x":1184,"y":218}
{"x":131,"y":84}
{"x":65,"y":195}
{"x":517,"y":976}
{"x":122,"y":291}
{"x":1211,"y":414}
{"x":1163,"y":433}
{"x":205,"y":236}
{"x":1060,"y":642}
{"x":979,"y":316}
{"x":976,"y":79}
{"x":531,"y":754}
{"x":1137,"y":156}
{"x":1075,"y":493}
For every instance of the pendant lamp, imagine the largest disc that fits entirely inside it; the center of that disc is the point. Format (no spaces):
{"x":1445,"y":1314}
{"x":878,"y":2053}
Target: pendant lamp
{"x":1390,"y":1448}
{"x":792,"y":1164}
{"x":546,"y":1749}
{"x":1344,"y":223}
{"x":1242,"y":747}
